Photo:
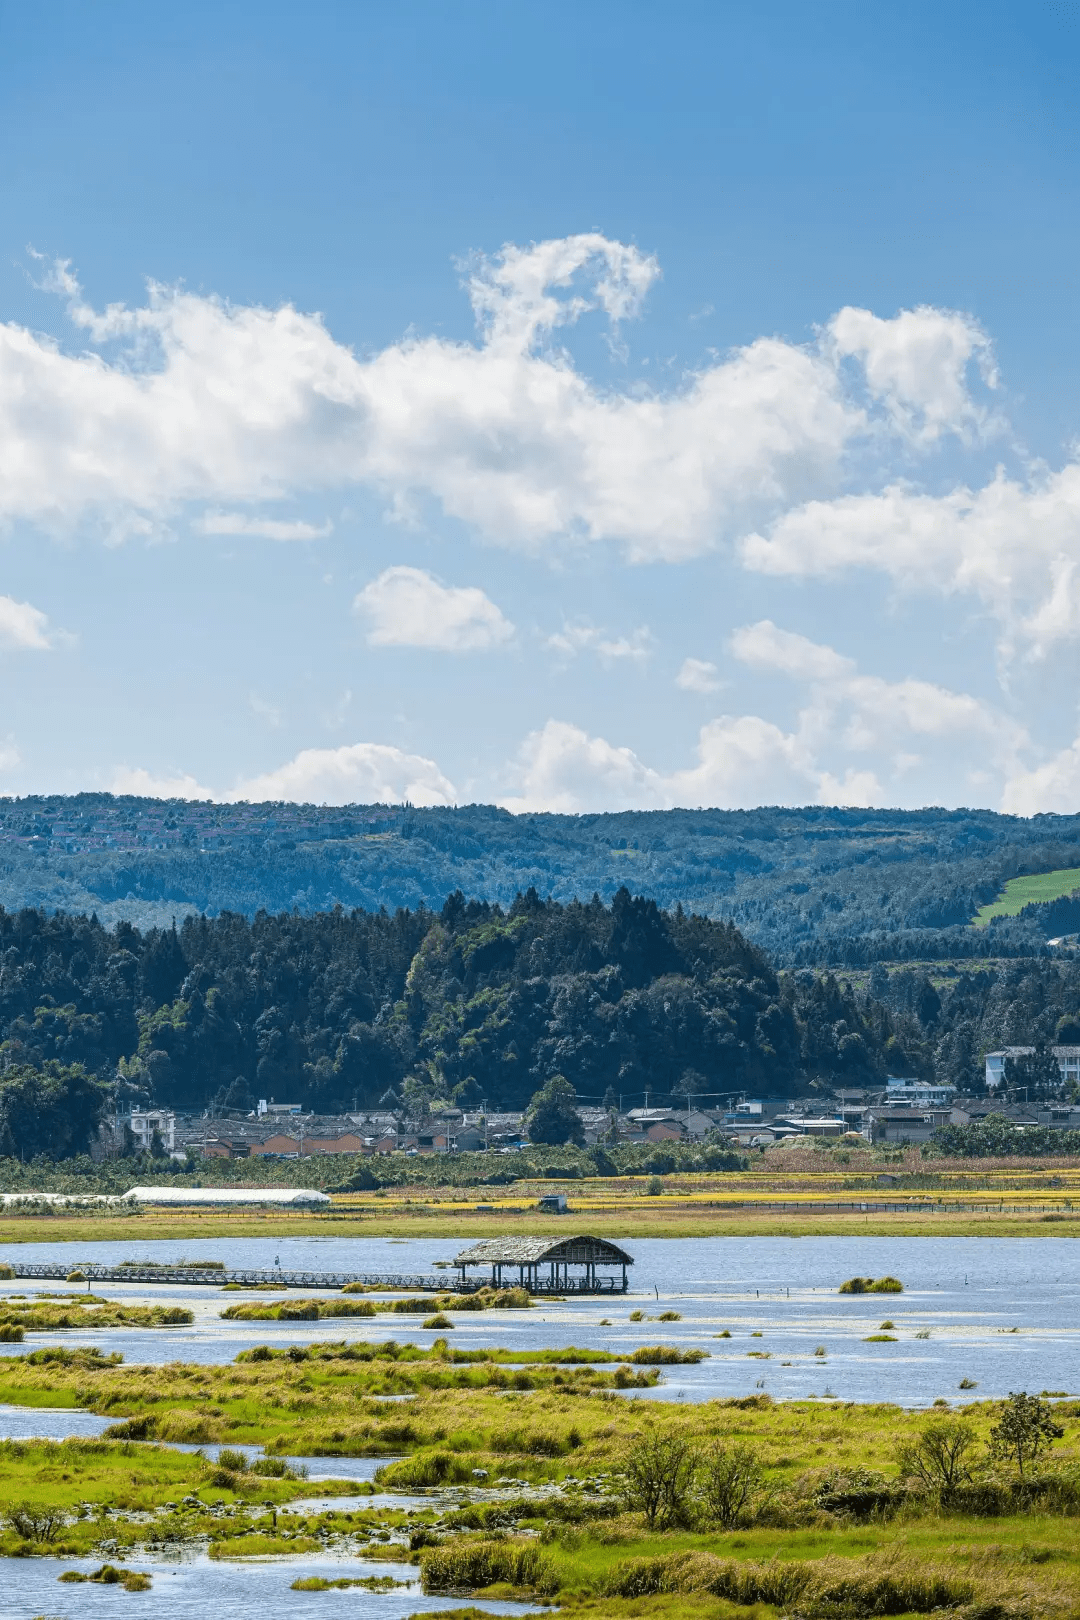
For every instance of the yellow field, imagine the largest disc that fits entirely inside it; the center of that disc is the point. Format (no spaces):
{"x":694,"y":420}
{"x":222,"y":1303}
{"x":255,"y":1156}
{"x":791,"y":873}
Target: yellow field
{"x":960,"y":1200}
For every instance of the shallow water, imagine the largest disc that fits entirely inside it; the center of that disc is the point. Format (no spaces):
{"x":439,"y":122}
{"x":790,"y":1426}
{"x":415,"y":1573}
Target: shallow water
{"x":186,"y":1591}
{"x":968,"y":1293}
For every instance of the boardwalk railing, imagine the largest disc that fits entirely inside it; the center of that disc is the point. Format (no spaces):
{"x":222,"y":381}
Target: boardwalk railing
{"x":291,"y":1279}
{"x":387,"y":1282}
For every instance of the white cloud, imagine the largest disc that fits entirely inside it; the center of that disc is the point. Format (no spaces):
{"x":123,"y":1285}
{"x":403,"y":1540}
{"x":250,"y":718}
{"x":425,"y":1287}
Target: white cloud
{"x":763,"y":646}
{"x":917,"y":366}
{"x":575,"y":638}
{"x":902,"y":735}
{"x":1013,"y":546}
{"x":1053,"y":787}
{"x":406,"y":607}
{"x":23,"y":626}
{"x":697,"y":675}
{"x":564,"y":770}
{"x":259,"y":528}
{"x":143,"y":784}
{"x":198,"y":400}
{"x":358,"y":773}
{"x":264,"y":709}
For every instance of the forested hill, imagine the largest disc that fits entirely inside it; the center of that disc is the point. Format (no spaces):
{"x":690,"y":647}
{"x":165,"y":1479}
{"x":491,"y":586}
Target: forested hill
{"x":811,"y":886}
{"x":468,"y":1004}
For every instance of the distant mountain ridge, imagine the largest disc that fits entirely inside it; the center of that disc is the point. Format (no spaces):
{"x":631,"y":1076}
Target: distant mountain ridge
{"x":810,"y":885}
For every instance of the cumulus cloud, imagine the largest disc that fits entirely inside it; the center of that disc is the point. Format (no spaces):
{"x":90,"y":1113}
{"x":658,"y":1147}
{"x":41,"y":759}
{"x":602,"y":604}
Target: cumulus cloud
{"x":697,"y":675}
{"x":918,"y":365}
{"x":140,"y":783}
{"x":1014,"y":546}
{"x":1053,"y":787}
{"x":259,"y":528}
{"x":857,"y":740}
{"x":190,"y":399}
{"x":610,"y":649}
{"x":23,"y":627}
{"x":358,"y":773}
{"x":407,"y":607}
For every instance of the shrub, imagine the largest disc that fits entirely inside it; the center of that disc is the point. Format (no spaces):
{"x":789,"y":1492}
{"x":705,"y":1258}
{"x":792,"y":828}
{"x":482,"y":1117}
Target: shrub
{"x":426,"y":1468}
{"x":872,"y":1285}
{"x":858,"y":1493}
{"x":887,"y":1285}
{"x":437,"y":1322}
{"x":468,"y":1565}
{"x":6,"y":1272}
{"x":34,"y":1521}
{"x":11,"y":1333}
{"x":728,"y":1479}
{"x":657,"y":1478}
{"x":75,"y":1276}
{"x":938,"y":1458}
{"x":234,"y":1460}
{"x":271,"y":1468}
{"x":142,"y":1427}
{"x":822,"y":1588}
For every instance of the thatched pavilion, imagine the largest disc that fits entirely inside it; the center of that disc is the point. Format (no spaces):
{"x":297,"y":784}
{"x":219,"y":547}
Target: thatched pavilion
{"x":543,"y":1264}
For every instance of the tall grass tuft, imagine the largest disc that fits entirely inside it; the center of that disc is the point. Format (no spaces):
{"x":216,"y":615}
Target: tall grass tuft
{"x":475,"y":1564}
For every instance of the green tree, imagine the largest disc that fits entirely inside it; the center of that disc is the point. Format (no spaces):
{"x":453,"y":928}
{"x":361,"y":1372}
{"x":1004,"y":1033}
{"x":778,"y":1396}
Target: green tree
{"x":658,"y":1479}
{"x":553,"y":1117}
{"x":1025,"y":1429}
{"x":1034,"y":1076}
{"x":938,"y":1458}
{"x":53,"y":1112}
{"x":728,"y":1479}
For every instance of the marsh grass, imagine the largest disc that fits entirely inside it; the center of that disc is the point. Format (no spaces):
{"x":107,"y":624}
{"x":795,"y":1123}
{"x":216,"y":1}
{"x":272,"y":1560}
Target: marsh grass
{"x":476,"y":1564}
{"x":85,"y":1312}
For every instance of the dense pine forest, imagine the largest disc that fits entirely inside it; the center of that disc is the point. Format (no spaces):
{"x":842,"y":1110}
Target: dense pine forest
{"x":813,"y":886}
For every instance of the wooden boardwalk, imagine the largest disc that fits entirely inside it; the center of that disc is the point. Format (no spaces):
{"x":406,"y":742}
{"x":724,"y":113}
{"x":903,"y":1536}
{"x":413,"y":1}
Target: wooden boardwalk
{"x":390,"y":1283}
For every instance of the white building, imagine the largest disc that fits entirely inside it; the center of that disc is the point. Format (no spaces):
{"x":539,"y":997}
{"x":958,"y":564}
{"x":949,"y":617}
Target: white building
{"x":918,"y":1093}
{"x":144,"y":1123}
{"x":1068,"y":1062}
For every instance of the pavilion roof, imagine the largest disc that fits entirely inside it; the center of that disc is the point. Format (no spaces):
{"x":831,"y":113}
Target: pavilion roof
{"x":528,"y":1251}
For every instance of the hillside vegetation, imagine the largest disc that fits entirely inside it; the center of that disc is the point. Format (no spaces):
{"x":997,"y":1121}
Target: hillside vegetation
{"x":472,"y":1003}
{"x":1035,"y":890}
{"x":812,"y":886}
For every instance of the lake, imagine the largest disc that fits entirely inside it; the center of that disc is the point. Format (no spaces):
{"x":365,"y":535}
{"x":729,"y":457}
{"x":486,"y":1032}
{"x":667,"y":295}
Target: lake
{"x":1002,"y":1312}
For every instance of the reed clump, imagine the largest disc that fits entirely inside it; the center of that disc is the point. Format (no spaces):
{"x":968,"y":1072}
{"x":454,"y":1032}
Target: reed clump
{"x":871,"y":1285}
{"x":473,"y":1565}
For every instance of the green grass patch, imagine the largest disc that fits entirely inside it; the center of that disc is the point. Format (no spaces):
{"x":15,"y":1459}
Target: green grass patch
{"x":1026,"y":891}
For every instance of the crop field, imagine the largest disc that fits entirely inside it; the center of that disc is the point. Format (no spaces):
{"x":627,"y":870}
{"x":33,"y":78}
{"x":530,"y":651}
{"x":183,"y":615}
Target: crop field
{"x":1026,"y":891}
{"x":812,"y":1190}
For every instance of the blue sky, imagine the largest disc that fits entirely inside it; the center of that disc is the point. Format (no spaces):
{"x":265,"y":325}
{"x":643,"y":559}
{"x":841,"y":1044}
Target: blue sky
{"x":570,"y":407}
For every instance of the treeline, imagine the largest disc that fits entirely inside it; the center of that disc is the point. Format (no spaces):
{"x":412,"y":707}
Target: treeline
{"x":472,"y":1004}
{"x":812,"y":886}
